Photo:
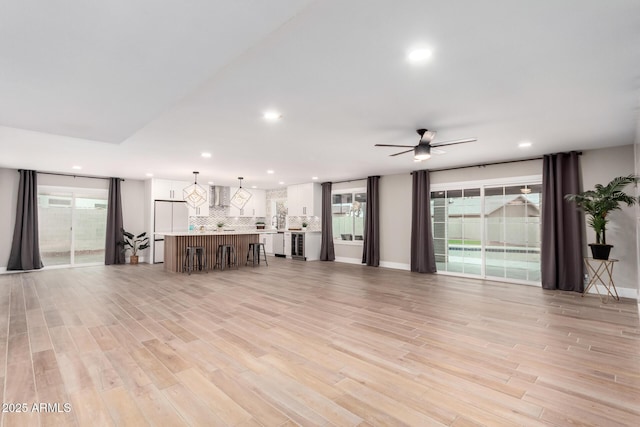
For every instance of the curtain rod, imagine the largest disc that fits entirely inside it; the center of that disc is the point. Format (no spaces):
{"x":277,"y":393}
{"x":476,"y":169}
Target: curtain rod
{"x":73,"y":175}
{"x":481,"y":165}
{"x":349,"y":180}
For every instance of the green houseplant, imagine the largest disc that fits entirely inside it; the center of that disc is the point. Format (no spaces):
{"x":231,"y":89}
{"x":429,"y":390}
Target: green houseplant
{"x":598,"y":203}
{"x":304,"y":225}
{"x":134,"y":244}
{"x":220,"y":225}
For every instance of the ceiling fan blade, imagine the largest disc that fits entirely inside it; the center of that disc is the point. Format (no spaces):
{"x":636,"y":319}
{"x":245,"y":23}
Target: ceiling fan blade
{"x":457,"y":141}
{"x":402,"y":152}
{"x":437,"y":151}
{"x":393,"y":145}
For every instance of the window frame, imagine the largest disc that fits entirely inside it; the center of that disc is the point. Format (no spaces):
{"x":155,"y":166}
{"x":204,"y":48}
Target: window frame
{"x":353,"y":191}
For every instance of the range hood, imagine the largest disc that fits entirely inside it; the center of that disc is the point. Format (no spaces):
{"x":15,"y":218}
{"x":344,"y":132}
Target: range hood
{"x":219,"y":196}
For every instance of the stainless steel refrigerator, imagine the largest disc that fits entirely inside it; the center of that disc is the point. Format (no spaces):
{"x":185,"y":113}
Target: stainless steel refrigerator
{"x":167,"y":216}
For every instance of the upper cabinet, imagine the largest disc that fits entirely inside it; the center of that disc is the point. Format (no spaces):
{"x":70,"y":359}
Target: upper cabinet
{"x":203,"y":209}
{"x":304,"y":199}
{"x":164,"y":189}
{"x":256,"y":206}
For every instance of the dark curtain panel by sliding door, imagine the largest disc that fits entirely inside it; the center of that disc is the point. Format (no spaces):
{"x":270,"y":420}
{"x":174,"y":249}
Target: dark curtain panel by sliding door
{"x":423,"y":259}
{"x":113,"y":252}
{"x":327,"y":252}
{"x":561,"y":245}
{"x":371,"y":248}
{"x":25,"y":248}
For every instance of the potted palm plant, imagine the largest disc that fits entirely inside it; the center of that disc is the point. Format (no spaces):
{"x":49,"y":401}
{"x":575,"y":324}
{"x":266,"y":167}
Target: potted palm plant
{"x":598,"y":203}
{"x":134,"y":244}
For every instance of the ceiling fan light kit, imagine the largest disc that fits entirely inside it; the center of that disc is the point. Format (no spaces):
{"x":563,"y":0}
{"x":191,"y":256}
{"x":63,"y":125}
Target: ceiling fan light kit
{"x":422,"y":151}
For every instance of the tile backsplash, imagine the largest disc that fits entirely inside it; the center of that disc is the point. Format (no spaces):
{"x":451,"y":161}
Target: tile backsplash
{"x":276,"y":213}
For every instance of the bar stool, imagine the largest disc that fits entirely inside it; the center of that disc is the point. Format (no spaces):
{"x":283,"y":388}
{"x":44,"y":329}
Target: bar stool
{"x":254,"y":251}
{"x":191,"y":254}
{"x":226,"y":256}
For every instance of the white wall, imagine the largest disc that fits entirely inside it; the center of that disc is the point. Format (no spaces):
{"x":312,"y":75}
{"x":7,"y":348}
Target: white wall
{"x":600,"y":167}
{"x":395,"y":221}
{"x":133,"y":197}
{"x":9,"y":179}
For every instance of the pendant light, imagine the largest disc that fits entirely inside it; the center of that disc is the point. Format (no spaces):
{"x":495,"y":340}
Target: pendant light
{"x":241,"y":197}
{"x":194,"y":194}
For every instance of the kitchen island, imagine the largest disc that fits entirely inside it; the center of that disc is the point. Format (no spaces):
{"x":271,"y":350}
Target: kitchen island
{"x":175,"y":244}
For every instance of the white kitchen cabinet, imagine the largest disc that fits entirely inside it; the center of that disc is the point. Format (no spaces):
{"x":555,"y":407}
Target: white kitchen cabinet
{"x":164,"y":189}
{"x":267,"y":240}
{"x":304,"y":199}
{"x":256,"y":206}
{"x":202,"y":210}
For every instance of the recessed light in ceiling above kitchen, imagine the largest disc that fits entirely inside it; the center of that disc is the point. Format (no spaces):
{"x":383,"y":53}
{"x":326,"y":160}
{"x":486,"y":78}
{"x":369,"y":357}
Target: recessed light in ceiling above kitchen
{"x":206,"y":155}
{"x":272,"y":116}
{"x":281,"y":183}
{"x":525,"y":144}
{"x":149,"y":174}
{"x":315,"y":178}
{"x":419,"y":56}
{"x":271,"y":171}
{"x":76,"y":167}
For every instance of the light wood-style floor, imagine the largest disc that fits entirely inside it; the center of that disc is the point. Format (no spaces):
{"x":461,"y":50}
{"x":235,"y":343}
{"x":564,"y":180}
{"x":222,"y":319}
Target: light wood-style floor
{"x":311,"y":343}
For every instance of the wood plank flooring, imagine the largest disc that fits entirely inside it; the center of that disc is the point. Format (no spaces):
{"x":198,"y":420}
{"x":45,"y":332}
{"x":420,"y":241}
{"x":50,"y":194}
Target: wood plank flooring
{"x":310,"y":343}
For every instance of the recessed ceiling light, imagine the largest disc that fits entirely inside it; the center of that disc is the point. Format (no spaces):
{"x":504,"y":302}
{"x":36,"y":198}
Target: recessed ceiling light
{"x":76,"y":167}
{"x":281,"y":183}
{"x":210,"y":182}
{"x":254,"y":186}
{"x":149,"y":174}
{"x":419,"y":55}
{"x":206,"y":155}
{"x":272,"y":116}
{"x":271,"y":171}
{"x":525,"y":144}
{"x":314,"y":178}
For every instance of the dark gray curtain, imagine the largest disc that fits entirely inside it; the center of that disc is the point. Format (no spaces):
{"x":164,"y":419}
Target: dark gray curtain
{"x":25,"y":248}
{"x":113,"y":251}
{"x":327,"y":252}
{"x":423,"y":259}
{"x":561,"y":245}
{"x":371,"y":249}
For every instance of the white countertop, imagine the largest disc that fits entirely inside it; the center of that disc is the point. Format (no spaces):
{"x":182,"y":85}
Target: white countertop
{"x":213,"y":233}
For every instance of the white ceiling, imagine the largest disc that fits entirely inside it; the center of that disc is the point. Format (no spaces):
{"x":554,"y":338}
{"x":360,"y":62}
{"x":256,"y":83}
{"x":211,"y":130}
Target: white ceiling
{"x":128,"y":87}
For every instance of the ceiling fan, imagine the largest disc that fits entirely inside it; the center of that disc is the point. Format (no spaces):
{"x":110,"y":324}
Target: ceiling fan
{"x":424,"y":149}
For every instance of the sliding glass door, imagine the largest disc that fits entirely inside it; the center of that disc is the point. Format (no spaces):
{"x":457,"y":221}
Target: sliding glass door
{"x":490,"y":230}
{"x":72,"y":225}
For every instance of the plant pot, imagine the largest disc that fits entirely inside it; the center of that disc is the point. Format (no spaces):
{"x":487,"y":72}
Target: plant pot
{"x":260,"y":226}
{"x":600,"y":251}
{"x":133,"y":259}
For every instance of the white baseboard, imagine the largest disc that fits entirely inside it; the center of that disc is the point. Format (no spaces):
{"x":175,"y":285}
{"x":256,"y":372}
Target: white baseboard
{"x":622,"y":292}
{"x":395,"y":265}
{"x":348,"y":260}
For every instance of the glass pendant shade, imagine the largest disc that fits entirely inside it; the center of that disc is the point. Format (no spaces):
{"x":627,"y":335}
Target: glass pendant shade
{"x":194,"y":194}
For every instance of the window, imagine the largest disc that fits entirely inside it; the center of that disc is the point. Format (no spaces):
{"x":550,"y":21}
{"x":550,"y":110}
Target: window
{"x":490,"y":230}
{"x":72,"y":225}
{"x":348,"y":209}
